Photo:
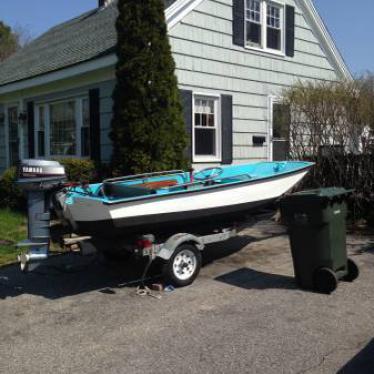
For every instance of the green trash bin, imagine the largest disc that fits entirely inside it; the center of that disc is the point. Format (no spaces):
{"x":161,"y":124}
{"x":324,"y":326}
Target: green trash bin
{"x":317,"y":228}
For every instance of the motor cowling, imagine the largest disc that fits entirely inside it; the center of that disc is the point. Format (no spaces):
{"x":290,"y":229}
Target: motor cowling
{"x":40,"y":175}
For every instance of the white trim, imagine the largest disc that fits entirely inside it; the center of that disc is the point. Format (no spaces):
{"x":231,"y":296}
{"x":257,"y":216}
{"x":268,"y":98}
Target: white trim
{"x":84,"y":67}
{"x":272,"y":99}
{"x":177,"y":11}
{"x":207,"y":94}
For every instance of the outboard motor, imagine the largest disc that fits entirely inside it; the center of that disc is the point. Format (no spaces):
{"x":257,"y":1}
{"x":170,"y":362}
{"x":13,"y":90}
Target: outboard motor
{"x":39,"y":179}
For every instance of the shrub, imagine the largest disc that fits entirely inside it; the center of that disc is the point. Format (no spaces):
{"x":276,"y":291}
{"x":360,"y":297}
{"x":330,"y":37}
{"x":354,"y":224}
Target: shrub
{"x":78,"y":170}
{"x":354,"y":172}
{"x":11,"y":196}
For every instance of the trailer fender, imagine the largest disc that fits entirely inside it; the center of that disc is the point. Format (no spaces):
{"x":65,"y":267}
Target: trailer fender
{"x":175,"y":241}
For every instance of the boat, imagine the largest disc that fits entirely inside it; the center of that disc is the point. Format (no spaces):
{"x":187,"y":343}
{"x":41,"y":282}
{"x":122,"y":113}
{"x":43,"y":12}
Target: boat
{"x":167,"y":202}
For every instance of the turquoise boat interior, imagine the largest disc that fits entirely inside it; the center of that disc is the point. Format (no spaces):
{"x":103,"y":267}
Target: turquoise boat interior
{"x":177,"y":181}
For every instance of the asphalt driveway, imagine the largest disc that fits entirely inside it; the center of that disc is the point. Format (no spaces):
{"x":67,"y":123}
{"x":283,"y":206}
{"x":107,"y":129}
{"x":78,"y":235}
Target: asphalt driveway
{"x":244,"y":314}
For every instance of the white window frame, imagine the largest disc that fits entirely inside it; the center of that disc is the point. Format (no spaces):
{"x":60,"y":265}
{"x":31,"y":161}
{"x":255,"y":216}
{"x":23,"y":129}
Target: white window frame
{"x":47,"y":115}
{"x":263,"y":48}
{"x":217,"y":126}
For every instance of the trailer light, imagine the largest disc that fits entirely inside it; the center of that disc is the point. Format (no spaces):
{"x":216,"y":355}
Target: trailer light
{"x":144,"y":243}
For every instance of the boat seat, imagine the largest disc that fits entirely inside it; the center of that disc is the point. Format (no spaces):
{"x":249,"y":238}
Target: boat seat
{"x":159,"y":184}
{"x":120,"y":190}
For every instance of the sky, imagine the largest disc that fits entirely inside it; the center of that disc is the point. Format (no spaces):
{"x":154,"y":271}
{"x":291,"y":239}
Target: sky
{"x":350,"y":23}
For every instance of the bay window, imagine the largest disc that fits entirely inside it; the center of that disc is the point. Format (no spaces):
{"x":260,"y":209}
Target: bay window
{"x":206,"y":133}
{"x":264,"y":25}
{"x":62,"y":128}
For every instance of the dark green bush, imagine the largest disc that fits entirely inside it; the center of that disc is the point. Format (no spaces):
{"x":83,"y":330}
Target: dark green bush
{"x":78,"y":170}
{"x":10,"y":195}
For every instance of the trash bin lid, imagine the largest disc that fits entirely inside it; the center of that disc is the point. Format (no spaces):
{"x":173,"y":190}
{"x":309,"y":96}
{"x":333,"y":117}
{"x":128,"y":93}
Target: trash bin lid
{"x":329,"y":193}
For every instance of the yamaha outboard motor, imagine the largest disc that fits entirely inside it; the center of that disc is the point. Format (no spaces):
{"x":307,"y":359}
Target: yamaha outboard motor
{"x":39,"y":179}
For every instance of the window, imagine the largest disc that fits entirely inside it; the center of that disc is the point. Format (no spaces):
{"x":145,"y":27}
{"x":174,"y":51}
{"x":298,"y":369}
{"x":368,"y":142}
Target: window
{"x":206,"y":134}
{"x":62,"y":129}
{"x":273,"y":27}
{"x":253,"y":23}
{"x":264,"y":24}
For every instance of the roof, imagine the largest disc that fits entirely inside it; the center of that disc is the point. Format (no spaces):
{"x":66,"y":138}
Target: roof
{"x":84,"y":38}
{"x":93,"y":35}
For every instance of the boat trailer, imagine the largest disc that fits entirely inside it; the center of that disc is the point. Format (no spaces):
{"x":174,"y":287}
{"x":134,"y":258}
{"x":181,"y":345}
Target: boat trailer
{"x":179,"y":253}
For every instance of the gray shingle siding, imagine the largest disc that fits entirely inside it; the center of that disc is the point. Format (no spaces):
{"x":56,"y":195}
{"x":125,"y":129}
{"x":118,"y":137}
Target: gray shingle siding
{"x":84,"y":38}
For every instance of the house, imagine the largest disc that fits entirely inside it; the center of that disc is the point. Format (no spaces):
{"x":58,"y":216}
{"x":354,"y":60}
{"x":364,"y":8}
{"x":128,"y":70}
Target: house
{"x":233,"y":59}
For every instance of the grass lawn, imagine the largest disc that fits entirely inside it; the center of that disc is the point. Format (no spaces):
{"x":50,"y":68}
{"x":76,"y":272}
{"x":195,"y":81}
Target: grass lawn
{"x":12,"y":230}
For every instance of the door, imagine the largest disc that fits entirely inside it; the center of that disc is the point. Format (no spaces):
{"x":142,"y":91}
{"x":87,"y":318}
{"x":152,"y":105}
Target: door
{"x":281,"y":131}
{"x":13,"y":136}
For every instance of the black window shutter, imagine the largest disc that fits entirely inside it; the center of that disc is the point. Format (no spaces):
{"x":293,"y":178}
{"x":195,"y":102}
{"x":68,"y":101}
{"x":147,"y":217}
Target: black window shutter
{"x":290,"y":31}
{"x":186,"y":99}
{"x":227,"y":129}
{"x":31,"y":128}
{"x":95,"y":143}
{"x":238,"y":23}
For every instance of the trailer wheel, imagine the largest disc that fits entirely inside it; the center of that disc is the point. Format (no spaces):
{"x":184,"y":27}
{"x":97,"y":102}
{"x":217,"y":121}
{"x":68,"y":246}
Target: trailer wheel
{"x":184,"y":266}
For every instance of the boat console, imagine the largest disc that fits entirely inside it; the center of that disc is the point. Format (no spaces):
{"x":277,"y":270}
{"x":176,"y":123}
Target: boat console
{"x":39,"y":179}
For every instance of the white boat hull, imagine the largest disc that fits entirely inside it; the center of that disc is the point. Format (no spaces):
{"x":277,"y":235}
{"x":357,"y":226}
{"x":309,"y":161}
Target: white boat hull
{"x":214,"y":206}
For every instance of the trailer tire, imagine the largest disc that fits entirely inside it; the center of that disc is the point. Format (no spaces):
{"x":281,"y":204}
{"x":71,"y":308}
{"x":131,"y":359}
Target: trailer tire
{"x":183,"y":267}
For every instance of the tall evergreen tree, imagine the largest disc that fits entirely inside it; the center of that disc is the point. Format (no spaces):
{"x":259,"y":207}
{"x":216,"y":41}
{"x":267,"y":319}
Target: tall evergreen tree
{"x":148,"y":130}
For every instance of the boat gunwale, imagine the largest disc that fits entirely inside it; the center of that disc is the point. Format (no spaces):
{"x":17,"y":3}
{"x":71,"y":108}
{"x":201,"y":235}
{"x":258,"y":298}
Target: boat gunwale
{"x":208,"y":188}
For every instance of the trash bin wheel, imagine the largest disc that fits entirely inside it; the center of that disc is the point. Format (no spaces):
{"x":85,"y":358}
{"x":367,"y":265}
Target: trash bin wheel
{"x":353,"y":271}
{"x":325,"y":280}
{"x":184,"y":266}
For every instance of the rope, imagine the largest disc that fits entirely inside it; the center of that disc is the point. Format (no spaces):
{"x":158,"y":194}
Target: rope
{"x":143,"y":290}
